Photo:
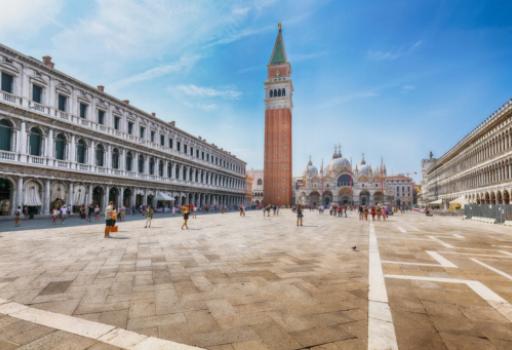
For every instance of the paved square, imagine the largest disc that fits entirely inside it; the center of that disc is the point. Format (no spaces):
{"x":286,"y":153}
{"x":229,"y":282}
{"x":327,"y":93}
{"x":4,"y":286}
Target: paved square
{"x":259,"y":283}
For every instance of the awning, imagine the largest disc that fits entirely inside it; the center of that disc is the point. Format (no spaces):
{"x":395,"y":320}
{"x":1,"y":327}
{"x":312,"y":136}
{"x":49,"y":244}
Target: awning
{"x":32,"y":198}
{"x":58,"y":192}
{"x":164,"y":196}
{"x":438,"y":201}
{"x":461,"y":201}
{"x":79,"y":195}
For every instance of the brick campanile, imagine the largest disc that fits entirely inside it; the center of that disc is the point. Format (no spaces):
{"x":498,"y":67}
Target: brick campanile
{"x":277,"y":185}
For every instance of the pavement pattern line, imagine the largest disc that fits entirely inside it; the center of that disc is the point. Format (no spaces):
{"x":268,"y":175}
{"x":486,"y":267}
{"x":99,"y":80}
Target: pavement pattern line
{"x":441,"y":261}
{"x":505,"y":252}
{"x":499,"y":272}
{"x":381,"y":330}
{"x":101,"y":332}
{"x":444,"y":244}
{"x":401,"y":229}
{"x":493,"y":299}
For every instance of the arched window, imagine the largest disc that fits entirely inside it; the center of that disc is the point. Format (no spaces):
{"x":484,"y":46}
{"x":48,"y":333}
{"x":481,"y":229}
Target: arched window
{"x":275,"y":93}
{"x":81,"y":151}
{"x":35,"y":142}
{"x":60,"y":147}
{"x":177,"y":172}
{"x":141,"y":164}
{"x":100,"y":155}
{"x":259,"y":182}
{"x":129,"y":161}
{"x":284,"y":92}
{"x":345,"y":180}
{"x":271,"y":93}
{"x":152,"y":166}
{"x":6,"y":130}
{"x":161,"y":168}
{"x":279,"y":92}
{"x":115,"y":158}
{"x":169,"y":169}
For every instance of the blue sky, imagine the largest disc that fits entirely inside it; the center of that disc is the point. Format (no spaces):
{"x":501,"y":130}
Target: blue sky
{"x":388,"y":78}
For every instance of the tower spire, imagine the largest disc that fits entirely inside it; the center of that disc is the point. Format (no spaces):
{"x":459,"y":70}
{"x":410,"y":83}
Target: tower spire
{"x":278,"y":53}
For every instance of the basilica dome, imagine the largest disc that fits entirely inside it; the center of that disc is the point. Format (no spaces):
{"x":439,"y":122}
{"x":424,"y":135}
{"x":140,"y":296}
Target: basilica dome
{"x":339,"y":165}
{"x":311,"y":170}
{"x":366,"y":170}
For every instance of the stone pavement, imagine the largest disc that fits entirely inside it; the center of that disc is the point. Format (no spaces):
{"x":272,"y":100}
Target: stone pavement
{"x":259,"y":283}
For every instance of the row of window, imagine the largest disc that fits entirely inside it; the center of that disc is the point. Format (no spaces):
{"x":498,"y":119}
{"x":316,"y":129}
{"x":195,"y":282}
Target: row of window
{"x":83,"y":110}
{"x":277,"y":92}
{"x":60,"y":146}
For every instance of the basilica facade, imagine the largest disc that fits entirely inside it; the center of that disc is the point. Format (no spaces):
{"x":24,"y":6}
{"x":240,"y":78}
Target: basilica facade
{"x":342,"y":183}
{"x":65,"y":142}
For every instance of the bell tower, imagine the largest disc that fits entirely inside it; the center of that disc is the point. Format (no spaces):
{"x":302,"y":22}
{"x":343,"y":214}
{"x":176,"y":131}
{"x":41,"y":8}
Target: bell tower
{"x":277,"y":188}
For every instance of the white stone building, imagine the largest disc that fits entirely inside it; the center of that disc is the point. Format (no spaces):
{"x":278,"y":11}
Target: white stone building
{"x":63,"y":141}
{"x":478,"y":169}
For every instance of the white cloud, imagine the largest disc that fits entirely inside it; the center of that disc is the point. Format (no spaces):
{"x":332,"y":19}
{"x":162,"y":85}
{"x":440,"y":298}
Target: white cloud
{"x":202,"y":91}
{"x":184,"y":63}
{"x":23,"y":18}
{"x":140,"y":29}
{"x":391,"y":55}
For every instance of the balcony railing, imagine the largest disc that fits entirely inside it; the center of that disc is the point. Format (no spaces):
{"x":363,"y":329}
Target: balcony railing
{"x":37,"y":160}
{"x":8,"y":97}
{"x":37,"y":106}
{"x":6,"y":155}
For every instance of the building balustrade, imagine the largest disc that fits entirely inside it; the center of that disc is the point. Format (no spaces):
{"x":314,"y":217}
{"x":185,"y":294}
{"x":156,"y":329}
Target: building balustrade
{"x":101,"y":170}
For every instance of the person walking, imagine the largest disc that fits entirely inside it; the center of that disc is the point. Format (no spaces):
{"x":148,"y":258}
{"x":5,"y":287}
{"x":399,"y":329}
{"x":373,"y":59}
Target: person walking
{"x":108,"y":219}
{"x":373,"y":213}
{"x":242,"y":209}
{"x":63,"y":211}
{"x":113,"y":217}
{"x":300,"y":215}
{"x":55,"y":215}
{"x":17,"y":216}
{"x":185,"y":212}
{"x":149,"y":217}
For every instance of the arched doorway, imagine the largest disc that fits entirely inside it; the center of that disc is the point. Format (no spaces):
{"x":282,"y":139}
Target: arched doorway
{"x":327,"y":198}
{"x":364,"y":197}
{"x":97,"y":196}
{"x":499,"y":198}
{"x":506,"y":197}
{"x":150,"y":200}
{"x":313,"y":199}
{"x":127,"y":198}
{"x":378,"y":198}
{"x":6,"y":197}
{"x":493,"y":198}
{"x":59,"y":194}
{"x":32,"y":197}
{"x":113,"y":195}
{"x":487,"y":198}
{"x":345,"y":196}
{"x":139,"y":200}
